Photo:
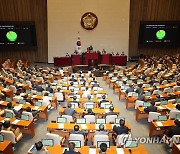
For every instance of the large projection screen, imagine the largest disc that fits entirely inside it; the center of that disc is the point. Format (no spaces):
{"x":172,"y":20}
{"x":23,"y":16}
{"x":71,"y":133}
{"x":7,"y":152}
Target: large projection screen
{"x":111,"y":33}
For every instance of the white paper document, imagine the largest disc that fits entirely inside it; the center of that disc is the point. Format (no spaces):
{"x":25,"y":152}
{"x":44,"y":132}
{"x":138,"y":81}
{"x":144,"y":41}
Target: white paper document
{"x":61,"y":126}
{"x":17,"y":108}
{"x":15,"y":121}
{"x":159,"y":123}
{"x":36,"y":108}
{"x":160,"y":107}
{"x":92,"y":150}
{"x":5,"y":89}
{"x":106,"y":110}
{"x":119,"y":150}
{"x":34,"y":96}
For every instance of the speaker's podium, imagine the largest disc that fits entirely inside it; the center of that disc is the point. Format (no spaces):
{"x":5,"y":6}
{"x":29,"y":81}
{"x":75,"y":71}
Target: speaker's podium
{"x":76,"y":60}
{"x":89,"y":56}
{"x":106,"y":59}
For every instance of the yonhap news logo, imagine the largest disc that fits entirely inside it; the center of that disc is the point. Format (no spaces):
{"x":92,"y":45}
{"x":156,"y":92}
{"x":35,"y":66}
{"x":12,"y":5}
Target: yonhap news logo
{"x":128,"y":141}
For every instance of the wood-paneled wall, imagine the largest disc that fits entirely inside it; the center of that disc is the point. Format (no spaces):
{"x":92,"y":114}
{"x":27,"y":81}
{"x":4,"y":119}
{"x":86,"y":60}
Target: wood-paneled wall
{"x":27,"y":10}
{"x":36,"y":10}
{"x":150,"y":10}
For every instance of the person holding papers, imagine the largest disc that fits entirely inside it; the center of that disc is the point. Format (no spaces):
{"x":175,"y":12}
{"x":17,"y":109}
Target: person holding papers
{"x":151,"y":108}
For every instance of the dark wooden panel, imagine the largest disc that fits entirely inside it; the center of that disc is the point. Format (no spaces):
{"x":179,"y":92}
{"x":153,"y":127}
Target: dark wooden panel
{"x":27,"y":10}
{"x":150,"y":10}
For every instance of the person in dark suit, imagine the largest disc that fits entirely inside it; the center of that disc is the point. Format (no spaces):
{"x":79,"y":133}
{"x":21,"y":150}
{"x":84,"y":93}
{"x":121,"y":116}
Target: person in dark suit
{"x":77,"y":131}
{"x":73,"y":79}
{"x":71,"y":149}
{"x":140,"y":90}
{"x":103,"y":99}
{"x":141,"y":97}
{"x":39,"y":88}
{"x":103,"y":148}
{"x":122,"y":129}
{"x":34,"y":113}
{"x":111,"y":111}
{"x":69,"y":111}
{"x":151,"y":108}
{"x":49,"y":88}
{"x":90,"y":112}
{"x":174,"y":130}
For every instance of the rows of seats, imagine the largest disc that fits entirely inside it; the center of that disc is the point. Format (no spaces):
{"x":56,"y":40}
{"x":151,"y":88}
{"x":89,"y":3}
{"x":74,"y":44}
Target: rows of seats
{"x":152,"y":87}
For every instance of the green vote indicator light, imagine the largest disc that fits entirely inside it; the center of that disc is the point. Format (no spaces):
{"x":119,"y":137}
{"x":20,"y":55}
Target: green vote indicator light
{"x":160,"y":34}
{"x":11,"y":36}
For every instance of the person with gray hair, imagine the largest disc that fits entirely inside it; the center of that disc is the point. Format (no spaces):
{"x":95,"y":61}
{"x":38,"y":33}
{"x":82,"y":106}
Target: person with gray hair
{"x":101,"y":130}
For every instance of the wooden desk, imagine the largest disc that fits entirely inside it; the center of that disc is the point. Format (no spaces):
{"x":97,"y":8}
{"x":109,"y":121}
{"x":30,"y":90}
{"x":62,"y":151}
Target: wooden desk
{"x":9,"y":92}
{"x":6,"y":147}
{"x":84,"y":100}
{"x":159,"y":130}
{"x":27,"y":127}
{"x":43,"y":110}
{"x":130,"y":102}
{"x":140,"y":114}
{"x":95,"y":110}
{"x":57,"y":149}
{"x":70,"y":126}
{"x":53,"y":102}
{"x":176,"y":148}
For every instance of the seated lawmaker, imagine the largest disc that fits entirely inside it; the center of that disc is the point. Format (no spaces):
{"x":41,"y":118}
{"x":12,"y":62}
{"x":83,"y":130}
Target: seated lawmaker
{"x":69,"y":111}
{"x":103,"y":99}
{"x":39,"y":149}
{"x":122,"y":129}
{"x":71,"y":150}
{"x":49,"y":88}
{"x":151,"y":108}
{"x":10,"y":107}
{"x":111,"y":111}
{"x":34,"y":113}
{"x":141,"y":97}
{"x":103,"y":148}
{"x":101,"y":130}
{"x":7,"y":126}
{"x":174,"y":130}
{"x":130,"y":89}
{"x":77,"y":131}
